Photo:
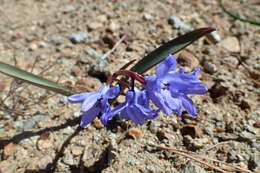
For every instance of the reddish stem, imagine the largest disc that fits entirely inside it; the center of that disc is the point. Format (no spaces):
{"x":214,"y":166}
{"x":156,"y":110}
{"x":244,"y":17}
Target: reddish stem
{"x":123,"y":83}
{"x":132,"y":74}
{"x":127,"y":64}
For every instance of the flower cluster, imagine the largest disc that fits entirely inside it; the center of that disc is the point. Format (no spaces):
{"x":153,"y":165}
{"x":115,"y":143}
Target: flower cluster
{"x":167,"y":89}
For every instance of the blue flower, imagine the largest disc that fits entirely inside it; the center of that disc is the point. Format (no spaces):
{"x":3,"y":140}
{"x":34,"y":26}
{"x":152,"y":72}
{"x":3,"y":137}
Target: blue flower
{"x":94,"y":103}
{"x":136,"y":107}
{"x":168,"y":89}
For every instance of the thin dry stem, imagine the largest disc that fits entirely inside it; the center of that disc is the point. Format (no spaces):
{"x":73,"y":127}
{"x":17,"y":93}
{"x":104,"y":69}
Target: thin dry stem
{"x":112,"y":50}
{"x":195,"y":158}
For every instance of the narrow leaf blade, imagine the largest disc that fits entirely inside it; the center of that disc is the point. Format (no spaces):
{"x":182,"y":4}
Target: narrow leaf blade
{"x":171,"y":47}
{"x":33,"y":79}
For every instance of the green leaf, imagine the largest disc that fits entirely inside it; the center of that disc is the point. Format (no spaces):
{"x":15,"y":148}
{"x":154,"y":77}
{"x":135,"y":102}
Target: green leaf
{"x":33,"y":79}
{"x":238,"y":17}
{"x":171,"y":47}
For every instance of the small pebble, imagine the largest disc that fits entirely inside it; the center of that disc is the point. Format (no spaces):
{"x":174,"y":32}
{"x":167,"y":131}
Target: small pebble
{"x":38,"y":118}
{"x":230,"y":60}
{"x":68,"y":131}
{"x":114,"y":26}
{"x":44,"y":144}
{"x":57,"y":39}
{"x":186,"y":58}
{"x":135,"y":133}
{"x":257,"y":123}
{"x":68,"y":159}
{"x":98,"y":124}
{"x":95,"y":25}
{"x":209,"y":67}
{"x":9,"y":149}
{"x":69,"y":9}
{"x":24,"y":124}
{"x":214,"y":37}
{"x":92,"y":53}
{"x":77,"y":37}
{"x":76,"y":150}
{"x":191,"y":167}
{"x":247,"y":136}
{"x":177,"y":23}
{"x":33,"y":46}
{"x":147,"y":16}
{"x":42,"y":44}
{"x":231,"y":44}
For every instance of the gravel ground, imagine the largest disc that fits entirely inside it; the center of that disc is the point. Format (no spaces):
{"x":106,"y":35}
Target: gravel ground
{"x":65,"y":41}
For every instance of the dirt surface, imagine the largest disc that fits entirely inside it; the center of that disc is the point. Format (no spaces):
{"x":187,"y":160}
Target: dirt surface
{"x":65,"y":41}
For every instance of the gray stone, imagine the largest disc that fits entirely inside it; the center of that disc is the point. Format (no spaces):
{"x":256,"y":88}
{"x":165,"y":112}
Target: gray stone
{"x":92,"y":53}
{"x":208,"y":51}
{"x":214,"y":37}
{"x":247,"y":136}
{"x":44,"y":161}
{"x":38,"y":118}
{"x":43,"y":44}
{"x":254,"y":161}
{"x":250,"y":128}
{"x":196,"y":143}
{"x":256,"y":145}
{"x":33,"y":47}
{"x":18,"y":124}
{"x":24,"y":124}
{"x":69,"y":9}
{"x":231,"y":44}
{"x":124,"y":4}
{"x":68,"y":159}
{"x":57,"y":39}
{"x":77,"y":37}
{"x":28,"y":124}
{"x":147,"y":16}
{"x":177,"y":23}
{"x":192,"y":167}
{"x":68,"y":131}
{"x":100,"y":59}
{"x":209,"y":67}
{"x":230,"y":60}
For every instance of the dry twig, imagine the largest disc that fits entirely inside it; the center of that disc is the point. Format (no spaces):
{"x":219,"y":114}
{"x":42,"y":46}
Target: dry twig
{"x":112,"y":50}
{"x":196,"y":156}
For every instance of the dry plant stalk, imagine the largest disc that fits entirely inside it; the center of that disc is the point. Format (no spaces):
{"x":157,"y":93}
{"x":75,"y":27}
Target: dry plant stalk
{"x":196,"y":156}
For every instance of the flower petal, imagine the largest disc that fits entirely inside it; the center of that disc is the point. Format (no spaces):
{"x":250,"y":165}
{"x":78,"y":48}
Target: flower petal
{"x":160,"y":101}
{"x":189,"y":105}
{"x":108,"y":115}
{"x":148,"y":112}
{"x":105,"y":106}
{"x":195,"y":72}
{"x":103,"y":89}
{"x":112,"y":92}
{"x":174,"y":103}
{"x":186,"y":84}
{"x":135,"y":115}
{"x":89,"y":116}
{"x":166,"y":66}
{"x":197,"y":88}
{"x":118,"y":108}
{"x":77,"y":98}
{"x":90,"y":101}
{"x":124,"y":115}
